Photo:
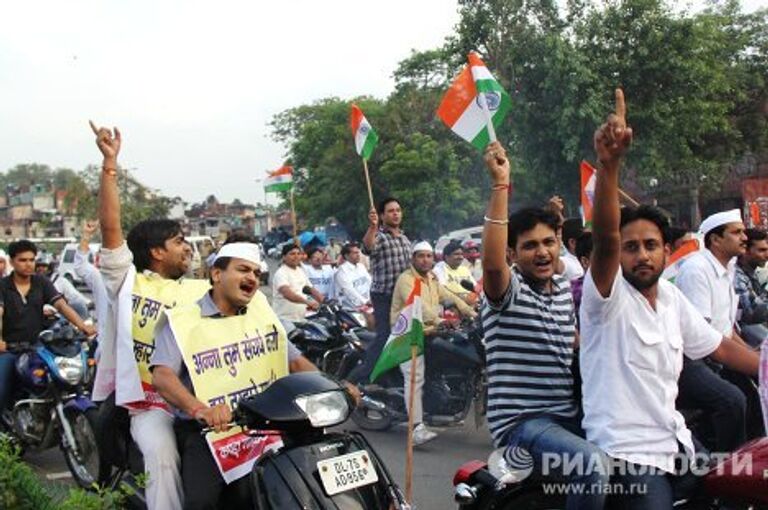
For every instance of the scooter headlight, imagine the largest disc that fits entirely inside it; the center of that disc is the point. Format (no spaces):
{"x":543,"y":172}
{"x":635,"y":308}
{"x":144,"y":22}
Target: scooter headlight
{"x":325,"y":409}
{"x":69,"y":370}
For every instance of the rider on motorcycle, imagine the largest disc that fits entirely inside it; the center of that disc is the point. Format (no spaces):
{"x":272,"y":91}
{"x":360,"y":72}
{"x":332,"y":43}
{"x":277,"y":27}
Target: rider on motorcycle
{"x":432,"y":295}
{"x":23,"y":294}
{"x":753,"y":296}
{"x":288,"y":299}
{"x":451,"y":272}
{"x":706,"y":279}
{"x":203,"y":366}
{"x":635,"y":328}
{"x":142,"y":275}
{"x":530,"y":330}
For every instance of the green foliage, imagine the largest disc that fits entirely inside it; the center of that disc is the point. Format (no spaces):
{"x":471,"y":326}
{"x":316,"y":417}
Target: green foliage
{"x":19,"y":486}
{"x":21,"y":489}
{"x":696,"y":87}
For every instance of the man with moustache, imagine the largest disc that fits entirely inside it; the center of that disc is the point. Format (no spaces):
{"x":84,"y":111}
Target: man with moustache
{"x":706,"y":279}
{"x":753,"y":297}
{"x":635,"y":329}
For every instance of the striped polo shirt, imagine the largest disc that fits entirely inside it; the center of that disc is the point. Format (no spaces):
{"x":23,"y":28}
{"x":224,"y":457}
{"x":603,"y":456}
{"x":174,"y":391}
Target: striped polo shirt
{"x":529,"y":339}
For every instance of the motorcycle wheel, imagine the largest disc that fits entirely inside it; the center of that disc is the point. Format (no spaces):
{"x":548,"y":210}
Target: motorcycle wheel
{"x":371,"y":419}
{"x":86,"y":466}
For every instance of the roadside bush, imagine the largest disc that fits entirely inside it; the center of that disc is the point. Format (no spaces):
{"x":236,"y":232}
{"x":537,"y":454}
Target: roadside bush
{"x":21,"y":489}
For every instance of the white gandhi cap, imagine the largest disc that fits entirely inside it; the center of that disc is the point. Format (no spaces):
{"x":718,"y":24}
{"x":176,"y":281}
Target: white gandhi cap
{"x":245,"y":251}
{"x":421,"y":246}
{"x":719,"y":219}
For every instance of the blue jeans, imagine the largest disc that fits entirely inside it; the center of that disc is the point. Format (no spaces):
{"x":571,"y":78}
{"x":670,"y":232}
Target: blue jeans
{"x":659,"y":489}
{"x":7,"y":377}
{"x":554,"y":442}
{"x":382,"y":303}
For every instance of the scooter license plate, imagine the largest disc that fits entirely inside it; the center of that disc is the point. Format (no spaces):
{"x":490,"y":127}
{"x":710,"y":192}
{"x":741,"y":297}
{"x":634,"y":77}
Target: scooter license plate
{"x":346,"y":472}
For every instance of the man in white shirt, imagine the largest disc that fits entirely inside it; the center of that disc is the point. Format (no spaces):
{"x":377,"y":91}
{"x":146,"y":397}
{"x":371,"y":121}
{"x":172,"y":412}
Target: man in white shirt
{"x":572,"y":229}
{"x":320,"y":275}
{"x":634,"y":331}
{"x":288,"y":299}
{"x":352,"y":280}
{"x":706,"y":279}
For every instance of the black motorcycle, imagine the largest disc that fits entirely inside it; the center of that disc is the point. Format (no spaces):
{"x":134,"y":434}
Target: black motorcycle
{"x":314,"y":468}
{"x":454,"y":380}
{"x":51,"y":403}
{"x":334,"y":338}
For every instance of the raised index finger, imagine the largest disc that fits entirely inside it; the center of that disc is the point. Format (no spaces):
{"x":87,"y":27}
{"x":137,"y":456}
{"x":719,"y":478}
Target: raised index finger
{"x":94,"y":128}
{"x":621,"y":107}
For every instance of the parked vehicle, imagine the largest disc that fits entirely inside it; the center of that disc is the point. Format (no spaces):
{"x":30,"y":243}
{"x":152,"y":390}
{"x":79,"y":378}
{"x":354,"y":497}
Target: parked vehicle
{"x":51,"y":404}
{"x":465,"y":234}
{"x":66,"y":267}
{"x":202,"y":246}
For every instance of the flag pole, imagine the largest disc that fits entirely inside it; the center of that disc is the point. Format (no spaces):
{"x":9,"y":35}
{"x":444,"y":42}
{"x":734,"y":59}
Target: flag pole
{"x":368,"y":182}
{"x":293,"y":220}
{"x":628,"y":198}
{"x":488,"y":118}
{"x":409,"y":447}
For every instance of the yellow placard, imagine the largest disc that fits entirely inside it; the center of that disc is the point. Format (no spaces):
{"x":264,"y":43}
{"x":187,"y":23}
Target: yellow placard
{"x":152,"y":294}
{"x":229,"y":359}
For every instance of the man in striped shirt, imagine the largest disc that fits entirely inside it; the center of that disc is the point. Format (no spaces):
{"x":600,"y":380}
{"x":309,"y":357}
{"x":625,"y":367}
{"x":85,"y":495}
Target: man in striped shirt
{"x":530,"y":330}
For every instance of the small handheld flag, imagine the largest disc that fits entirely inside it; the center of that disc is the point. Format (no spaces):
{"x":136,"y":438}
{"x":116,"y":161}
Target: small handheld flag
{"x":466,"y":112}
{"x":365,"y":137}
{"x":588,"y":175}
{"x":407,"y":331}
{"x":279,"y":180}
{"x":680,"y":257}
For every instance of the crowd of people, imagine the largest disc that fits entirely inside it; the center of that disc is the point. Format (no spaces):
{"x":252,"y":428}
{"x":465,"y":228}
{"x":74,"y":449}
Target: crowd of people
{"x":551,"y":295}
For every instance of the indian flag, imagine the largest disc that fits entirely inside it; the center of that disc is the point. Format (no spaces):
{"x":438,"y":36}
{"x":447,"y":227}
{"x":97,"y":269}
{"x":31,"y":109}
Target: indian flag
{"x":588,"y":176}
{"x":461,"y":107}
{"x":365,"y":137}
{"x":407,"y":331}
{"x":680,"y":257}
{"x":279,"y":180}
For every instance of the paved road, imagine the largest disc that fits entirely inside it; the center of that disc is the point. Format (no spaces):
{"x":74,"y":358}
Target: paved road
{"x":435,"y":462}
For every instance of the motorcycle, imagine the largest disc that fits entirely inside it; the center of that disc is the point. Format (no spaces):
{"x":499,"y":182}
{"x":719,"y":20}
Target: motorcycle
{"x":334,"y":338}
{"x":495,"y":485}
{"x":51,"y":403}
{"x":454,"y":380}
{"x":314,"y":468}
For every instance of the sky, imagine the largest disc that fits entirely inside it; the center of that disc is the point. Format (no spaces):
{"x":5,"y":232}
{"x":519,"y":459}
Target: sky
{"x":192,"y":85}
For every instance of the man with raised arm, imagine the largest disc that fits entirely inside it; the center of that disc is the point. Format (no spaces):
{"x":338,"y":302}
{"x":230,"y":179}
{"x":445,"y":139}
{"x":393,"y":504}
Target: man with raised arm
{"x":635,"y":329}
{"x":143,"y":276}
{"x":530,"y":334}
